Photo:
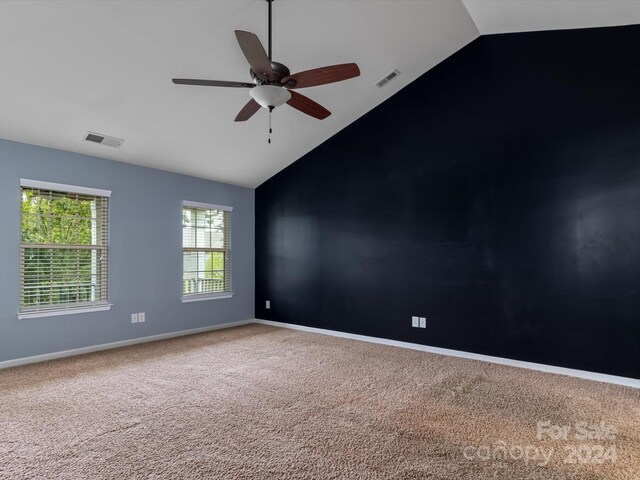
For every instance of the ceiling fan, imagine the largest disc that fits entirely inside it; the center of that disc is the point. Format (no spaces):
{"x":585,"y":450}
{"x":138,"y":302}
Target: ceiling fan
{"x":273,"y":85}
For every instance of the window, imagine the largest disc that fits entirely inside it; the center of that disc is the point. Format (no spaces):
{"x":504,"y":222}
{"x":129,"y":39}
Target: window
{"x":63,"y":249}
{"x":206,"y":251}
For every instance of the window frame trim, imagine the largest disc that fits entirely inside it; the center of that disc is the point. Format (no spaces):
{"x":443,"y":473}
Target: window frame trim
{"x":56,"y":312}
{"x":209,"y":206}
{"x":68,"y":308}
{"x":199,"y":297}
{"x":60,"y":187}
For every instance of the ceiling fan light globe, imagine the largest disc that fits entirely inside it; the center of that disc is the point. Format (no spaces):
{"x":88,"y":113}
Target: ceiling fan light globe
{"x":269,"y":96}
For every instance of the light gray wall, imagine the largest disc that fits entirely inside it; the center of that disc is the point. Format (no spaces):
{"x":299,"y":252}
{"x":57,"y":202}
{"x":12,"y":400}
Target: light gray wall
{"x":145,"y":251}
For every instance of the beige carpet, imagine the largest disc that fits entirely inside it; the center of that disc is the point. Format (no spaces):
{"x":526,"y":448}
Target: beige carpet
{"x":259,"y":402}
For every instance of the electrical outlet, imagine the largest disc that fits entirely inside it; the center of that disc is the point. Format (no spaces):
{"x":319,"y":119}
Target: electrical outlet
{"x":415,"y":322}
{"x":267,"y":304}
{"x":141,"y":318}
{"x":134,"y":318}
{"x":423,"y":322}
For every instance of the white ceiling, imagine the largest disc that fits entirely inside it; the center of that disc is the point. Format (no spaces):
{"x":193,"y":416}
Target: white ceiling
{"x":502,"y":16}
{"x":106,"y":66}
{"x":69,"y":67}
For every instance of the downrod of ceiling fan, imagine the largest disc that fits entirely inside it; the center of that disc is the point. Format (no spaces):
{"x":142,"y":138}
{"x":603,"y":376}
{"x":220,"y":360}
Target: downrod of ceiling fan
{"x":270,"y":107}
{"x":270,"y":2}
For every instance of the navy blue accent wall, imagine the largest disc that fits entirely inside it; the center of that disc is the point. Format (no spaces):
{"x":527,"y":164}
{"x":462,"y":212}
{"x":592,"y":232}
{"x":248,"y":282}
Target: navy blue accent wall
{"x":498,"y":195}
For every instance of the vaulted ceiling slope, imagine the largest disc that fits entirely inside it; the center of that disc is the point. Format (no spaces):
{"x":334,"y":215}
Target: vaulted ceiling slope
{"x":70,"y":67}
{"x":504,"y":16}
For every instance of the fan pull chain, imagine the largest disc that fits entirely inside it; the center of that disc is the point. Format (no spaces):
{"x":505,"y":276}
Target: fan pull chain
{"x":270,"y":130}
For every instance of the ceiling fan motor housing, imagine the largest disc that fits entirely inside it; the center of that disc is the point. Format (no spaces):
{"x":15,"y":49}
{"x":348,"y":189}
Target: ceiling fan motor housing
{"x":279,"y":72}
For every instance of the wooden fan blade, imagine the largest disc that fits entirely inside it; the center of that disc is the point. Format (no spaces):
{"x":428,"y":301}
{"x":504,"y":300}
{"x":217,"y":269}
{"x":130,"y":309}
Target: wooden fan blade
{"x":247,"y":111}
{"x":323,"y":75}
{"x":212,"y":83}
{"x":255,"y":54}
{"x":308,"y":106}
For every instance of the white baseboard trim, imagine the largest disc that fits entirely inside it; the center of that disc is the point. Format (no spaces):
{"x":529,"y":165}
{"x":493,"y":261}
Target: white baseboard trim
{"x":123,"y":343}
{"x":598,"y":377}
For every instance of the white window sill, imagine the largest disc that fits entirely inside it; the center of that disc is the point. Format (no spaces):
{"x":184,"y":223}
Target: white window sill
{"x":204,"y":297}
{"x":64,"y":311}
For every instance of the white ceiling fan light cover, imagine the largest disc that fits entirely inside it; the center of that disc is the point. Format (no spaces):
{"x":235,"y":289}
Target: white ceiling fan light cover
{"x":270,"y":95}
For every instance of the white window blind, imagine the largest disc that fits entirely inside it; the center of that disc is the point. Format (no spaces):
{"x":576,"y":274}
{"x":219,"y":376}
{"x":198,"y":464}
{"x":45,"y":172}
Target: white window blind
{"x":206,"y":247}
{"x":63,"y":247}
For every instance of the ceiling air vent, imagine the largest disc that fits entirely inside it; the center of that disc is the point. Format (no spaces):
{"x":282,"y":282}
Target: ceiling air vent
{"x":103,"y":139}
{"x":387,"y":78}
